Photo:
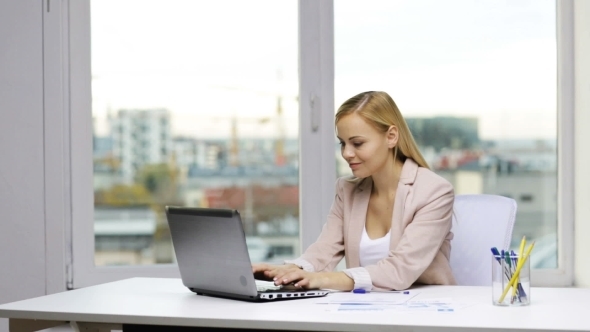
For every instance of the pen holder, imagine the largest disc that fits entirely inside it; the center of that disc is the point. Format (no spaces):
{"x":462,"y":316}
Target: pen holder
{"x":511,"y":284}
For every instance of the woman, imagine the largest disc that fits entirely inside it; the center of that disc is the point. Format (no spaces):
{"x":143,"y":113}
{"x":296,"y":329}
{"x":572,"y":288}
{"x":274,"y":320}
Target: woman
{"x":391,"y":220}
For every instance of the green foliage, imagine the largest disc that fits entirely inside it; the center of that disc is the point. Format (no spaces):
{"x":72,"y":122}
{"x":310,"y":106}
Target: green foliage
{"x":155,"y":177}
{"x":445,"y":132}
{"x":124,"y":195}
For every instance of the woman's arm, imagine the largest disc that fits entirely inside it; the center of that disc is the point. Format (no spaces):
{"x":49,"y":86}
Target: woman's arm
{"x":314,"y":280}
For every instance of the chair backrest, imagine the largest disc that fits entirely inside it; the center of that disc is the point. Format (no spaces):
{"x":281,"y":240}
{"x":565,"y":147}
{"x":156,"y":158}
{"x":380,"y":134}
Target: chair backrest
{"x":480,"y":222}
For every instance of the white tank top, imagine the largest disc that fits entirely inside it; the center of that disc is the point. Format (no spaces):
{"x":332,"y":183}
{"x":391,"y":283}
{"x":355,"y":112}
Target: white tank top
{"x":373,"y":250}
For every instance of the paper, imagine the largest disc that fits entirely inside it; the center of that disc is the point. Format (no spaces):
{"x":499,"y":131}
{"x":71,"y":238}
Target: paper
{"x":442,"y":305}
{"x":374,"y":298}
{"x":433,"y":304}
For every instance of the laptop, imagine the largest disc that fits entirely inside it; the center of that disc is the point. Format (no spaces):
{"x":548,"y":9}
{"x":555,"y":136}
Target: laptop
{"x":211,"y":251}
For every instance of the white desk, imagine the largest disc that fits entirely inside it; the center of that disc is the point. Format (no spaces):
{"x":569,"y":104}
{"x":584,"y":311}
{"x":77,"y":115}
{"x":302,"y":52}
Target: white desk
{"x":159,"y":301}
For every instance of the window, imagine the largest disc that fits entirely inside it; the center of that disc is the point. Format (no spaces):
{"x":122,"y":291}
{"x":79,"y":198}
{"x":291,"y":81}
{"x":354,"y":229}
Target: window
{"x":242,"y":102}
{"x":468,"y":76}
{"x":223,"y":81}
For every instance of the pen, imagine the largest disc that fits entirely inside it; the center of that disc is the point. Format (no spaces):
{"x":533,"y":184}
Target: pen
{"x":517,"y":272}
{"x":519,"y":286}
{"x":508,"y":261}
{"x":496,"y":254}
{"x":364,"y":291}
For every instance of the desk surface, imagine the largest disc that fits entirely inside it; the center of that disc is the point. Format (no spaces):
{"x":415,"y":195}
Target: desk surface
{"x":163,"y":301}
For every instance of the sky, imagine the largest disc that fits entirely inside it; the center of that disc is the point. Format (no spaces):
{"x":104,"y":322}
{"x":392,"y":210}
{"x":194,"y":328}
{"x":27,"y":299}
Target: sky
{"x":211,"y":61}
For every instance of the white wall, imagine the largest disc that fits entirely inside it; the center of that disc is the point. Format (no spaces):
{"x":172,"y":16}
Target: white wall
{"x":582,"y":146}
{"x":22,"y":224}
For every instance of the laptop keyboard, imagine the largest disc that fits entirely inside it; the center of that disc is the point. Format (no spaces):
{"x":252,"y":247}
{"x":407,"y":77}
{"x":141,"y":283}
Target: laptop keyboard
{"x":268,"y":288}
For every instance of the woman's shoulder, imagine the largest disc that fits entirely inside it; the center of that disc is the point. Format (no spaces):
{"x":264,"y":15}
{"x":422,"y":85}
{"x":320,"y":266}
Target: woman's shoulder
{"x":428,"y":180}
{"x":428,"y":175}
{"x":413,"y":173}
{"x":429,"y":187}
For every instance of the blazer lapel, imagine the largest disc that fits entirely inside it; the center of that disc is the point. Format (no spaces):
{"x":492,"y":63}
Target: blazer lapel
{"x":358,"y":215}
{"x":407,"y":178}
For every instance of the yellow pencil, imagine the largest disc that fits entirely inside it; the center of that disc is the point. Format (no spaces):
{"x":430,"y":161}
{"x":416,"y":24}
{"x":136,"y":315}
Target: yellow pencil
{"x":520,"y":252}
{"x":517,"y":272}
{"x":522,"y":244}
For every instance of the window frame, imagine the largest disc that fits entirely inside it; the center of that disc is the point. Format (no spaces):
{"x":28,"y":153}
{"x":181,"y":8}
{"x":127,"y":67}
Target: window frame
{"x":563,"y":275}
{"x":73,"y":162}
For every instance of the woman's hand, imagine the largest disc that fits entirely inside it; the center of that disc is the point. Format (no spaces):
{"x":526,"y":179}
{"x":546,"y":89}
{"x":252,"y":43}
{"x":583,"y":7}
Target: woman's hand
{"x":268,"y":272}
{"x":315,"y":280}
{"x":288,"y":274}
{"x":291,"y":274}
{"x":301,"y":279}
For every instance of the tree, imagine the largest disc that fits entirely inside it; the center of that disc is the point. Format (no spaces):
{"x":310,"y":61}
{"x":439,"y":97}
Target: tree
{"x":123,"y":195}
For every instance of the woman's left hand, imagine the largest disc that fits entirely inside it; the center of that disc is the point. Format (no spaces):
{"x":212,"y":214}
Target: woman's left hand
{"x":300,"y":279}
{"x":291,"y":275}
{"x":264,"y":271}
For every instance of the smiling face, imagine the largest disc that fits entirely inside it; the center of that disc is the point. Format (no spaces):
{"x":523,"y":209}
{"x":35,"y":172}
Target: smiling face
{"x":367,"y":150}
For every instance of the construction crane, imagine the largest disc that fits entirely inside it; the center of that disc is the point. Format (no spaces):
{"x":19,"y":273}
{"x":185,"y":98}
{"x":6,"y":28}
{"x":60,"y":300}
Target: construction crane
{"x":234,"y":144}
{"x":280,"y":159}
{"x":279,"y":146}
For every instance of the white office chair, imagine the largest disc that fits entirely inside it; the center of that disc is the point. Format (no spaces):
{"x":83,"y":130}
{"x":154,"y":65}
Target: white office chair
{"x":480,"y":222}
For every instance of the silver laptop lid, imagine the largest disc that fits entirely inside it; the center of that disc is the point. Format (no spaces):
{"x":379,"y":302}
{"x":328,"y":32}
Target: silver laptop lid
{"x":211,"y":251}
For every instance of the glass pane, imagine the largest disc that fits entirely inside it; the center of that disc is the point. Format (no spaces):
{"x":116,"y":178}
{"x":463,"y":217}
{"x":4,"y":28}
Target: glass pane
{"x":476,"y":81}
{"x":194,"y":105}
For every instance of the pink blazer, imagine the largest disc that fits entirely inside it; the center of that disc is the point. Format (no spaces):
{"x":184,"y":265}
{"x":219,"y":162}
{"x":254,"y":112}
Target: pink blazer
{"x":420,"y":243}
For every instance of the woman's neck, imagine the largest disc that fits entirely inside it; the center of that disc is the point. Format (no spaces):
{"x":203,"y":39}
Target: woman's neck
{"x":385,"y":182}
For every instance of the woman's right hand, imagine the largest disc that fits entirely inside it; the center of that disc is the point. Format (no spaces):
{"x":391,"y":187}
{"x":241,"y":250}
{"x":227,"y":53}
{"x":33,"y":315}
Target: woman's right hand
{"x":267,"y":272}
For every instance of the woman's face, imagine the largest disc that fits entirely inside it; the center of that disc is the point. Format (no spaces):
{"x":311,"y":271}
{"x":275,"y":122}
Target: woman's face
{"x":366,"y":150}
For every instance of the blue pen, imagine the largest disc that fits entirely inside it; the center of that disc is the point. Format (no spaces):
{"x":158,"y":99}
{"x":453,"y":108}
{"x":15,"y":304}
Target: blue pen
{"x":508,"y":260}
{"x":496,"y":253}
{"x":499,"y":256}
{"x":364,"y":291}
{"x":514,"y":258}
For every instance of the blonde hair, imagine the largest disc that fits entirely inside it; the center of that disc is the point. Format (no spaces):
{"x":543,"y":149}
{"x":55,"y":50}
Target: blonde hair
{"x":380,"y":111}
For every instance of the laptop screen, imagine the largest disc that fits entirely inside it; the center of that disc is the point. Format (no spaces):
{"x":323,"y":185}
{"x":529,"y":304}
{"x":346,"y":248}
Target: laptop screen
{"x":211,"y":250}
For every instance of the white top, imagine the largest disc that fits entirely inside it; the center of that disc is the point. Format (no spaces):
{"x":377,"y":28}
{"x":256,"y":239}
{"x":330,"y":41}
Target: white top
{"x":163,"y":301}
{"x":370,"y":252}
{"x":373,"y":250}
